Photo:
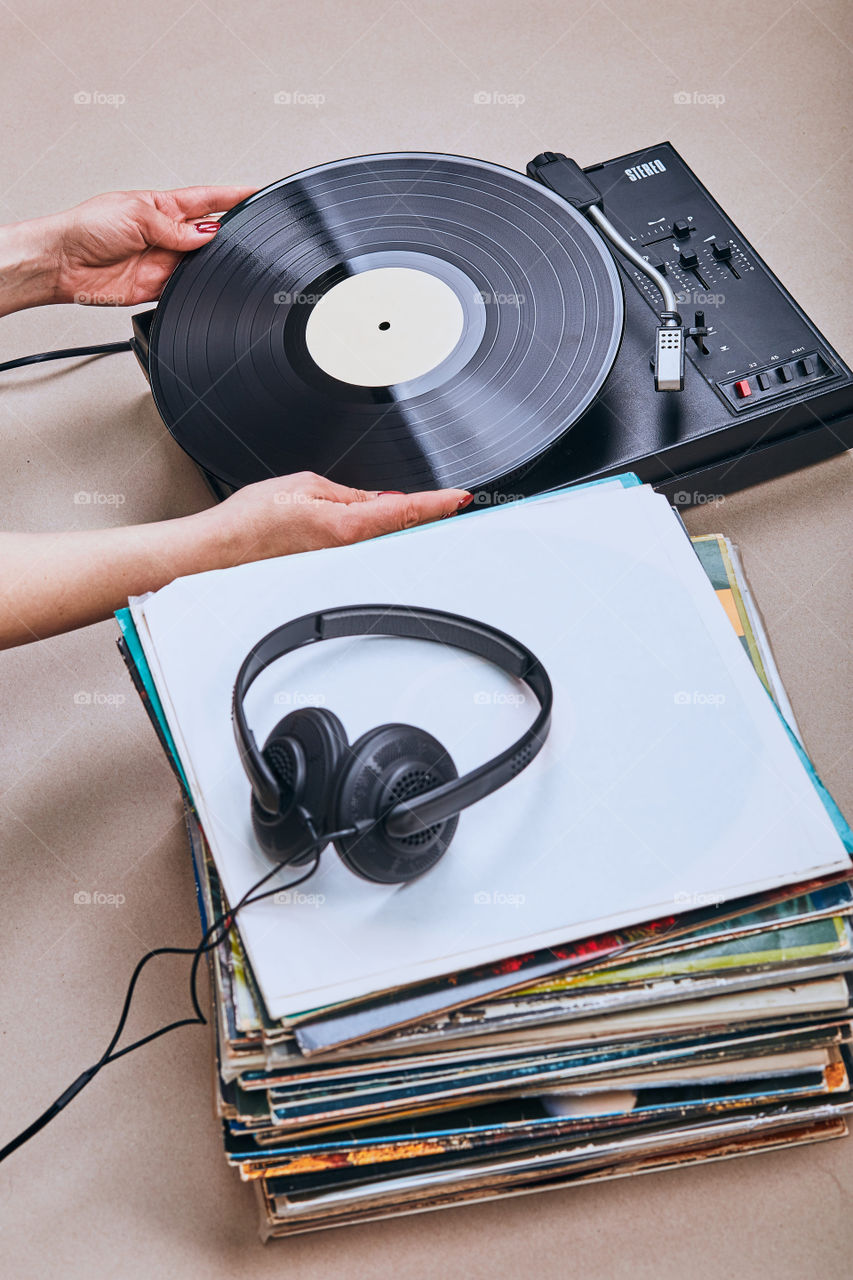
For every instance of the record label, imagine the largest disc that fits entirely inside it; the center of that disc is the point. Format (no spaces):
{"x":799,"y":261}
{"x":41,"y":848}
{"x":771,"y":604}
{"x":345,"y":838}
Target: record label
{"x":384,"y":326}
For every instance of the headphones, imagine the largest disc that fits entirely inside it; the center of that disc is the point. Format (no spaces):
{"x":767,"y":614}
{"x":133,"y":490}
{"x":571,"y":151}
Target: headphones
{"x":390,"y":801}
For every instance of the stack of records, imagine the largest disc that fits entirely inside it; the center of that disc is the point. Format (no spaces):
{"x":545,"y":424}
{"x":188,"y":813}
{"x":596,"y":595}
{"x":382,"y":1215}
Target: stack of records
{"x":720,"y":1027}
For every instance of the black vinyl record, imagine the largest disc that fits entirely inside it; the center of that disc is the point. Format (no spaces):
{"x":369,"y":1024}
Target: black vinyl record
{"x":403,"y":321}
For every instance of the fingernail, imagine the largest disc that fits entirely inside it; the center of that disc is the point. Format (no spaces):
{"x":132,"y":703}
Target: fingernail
{"x":465,"y":502}
{"x":205,"y":228}
{"x":383,"y":492}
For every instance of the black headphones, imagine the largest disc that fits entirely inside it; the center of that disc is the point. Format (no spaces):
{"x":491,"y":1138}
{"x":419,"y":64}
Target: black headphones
{"x":390,"y":801}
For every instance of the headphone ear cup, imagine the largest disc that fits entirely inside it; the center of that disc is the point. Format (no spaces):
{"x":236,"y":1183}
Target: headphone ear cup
{"x":304,"y":752}
{"x":385,"y":766}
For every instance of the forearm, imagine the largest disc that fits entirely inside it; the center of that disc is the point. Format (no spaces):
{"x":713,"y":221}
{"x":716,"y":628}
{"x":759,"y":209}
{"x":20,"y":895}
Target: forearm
{"x":53,"y":582}
{"x":29,"y":258}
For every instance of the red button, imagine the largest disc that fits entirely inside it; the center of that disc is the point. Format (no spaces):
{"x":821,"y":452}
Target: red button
{"x":743,"y":389}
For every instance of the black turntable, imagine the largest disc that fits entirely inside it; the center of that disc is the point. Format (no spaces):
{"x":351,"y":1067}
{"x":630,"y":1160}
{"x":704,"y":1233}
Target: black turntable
{"x":414,"y":320}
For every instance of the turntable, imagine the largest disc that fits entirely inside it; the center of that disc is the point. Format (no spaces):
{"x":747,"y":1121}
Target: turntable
{"x":413,"y":320}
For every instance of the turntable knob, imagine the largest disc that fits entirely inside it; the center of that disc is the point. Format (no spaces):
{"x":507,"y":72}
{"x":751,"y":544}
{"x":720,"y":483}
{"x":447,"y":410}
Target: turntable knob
{"x":681,"y":229}
{"x":688,"y":259}
{"x":721,"y":249}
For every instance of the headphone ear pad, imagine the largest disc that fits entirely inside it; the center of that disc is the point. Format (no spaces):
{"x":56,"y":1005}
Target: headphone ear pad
{"x":387,"y":765}
{"x":304,"y":751}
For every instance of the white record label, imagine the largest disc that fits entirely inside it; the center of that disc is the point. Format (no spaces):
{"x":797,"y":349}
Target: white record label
{"x":384,"y":326}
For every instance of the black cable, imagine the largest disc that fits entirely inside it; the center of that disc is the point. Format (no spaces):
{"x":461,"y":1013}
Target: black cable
{"x":208,"y":941}
{"x":100,"y":349}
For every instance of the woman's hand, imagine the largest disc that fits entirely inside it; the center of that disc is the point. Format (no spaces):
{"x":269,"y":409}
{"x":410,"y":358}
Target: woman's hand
{"x":52,"y":582}
{"x":120,"y":249}
{"x":115,"y":250}
{"x":305,"y":512}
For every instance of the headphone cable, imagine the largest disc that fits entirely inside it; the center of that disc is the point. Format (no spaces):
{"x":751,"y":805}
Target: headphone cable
{"x":209,"y":940}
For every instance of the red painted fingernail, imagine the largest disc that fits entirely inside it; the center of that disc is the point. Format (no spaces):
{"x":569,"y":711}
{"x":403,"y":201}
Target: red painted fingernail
{"x":382,"y":492}
{"x":205,"y":228}
{"x":465,"y":502}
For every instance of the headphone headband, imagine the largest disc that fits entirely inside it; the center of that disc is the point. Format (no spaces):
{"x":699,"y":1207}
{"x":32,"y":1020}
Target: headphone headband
{"x":412,"y":623}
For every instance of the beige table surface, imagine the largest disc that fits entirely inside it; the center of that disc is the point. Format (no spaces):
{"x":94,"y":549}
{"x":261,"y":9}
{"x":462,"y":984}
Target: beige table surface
{"x":130,"y":1181}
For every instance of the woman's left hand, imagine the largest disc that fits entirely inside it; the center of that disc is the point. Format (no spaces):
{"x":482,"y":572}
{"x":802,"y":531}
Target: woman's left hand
{"x":120,"y":249}
{"x":114,"y":250}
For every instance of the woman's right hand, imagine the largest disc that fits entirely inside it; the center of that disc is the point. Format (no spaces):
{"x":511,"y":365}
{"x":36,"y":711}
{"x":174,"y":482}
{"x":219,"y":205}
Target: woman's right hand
{"x":52,"y":582}
{"x":305,"y":512}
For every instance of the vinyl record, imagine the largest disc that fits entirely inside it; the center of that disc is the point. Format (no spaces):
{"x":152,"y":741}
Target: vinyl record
{"x":401,"y":321}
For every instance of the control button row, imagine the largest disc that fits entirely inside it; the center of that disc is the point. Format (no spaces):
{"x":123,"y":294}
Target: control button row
{"x":778,"y":378}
